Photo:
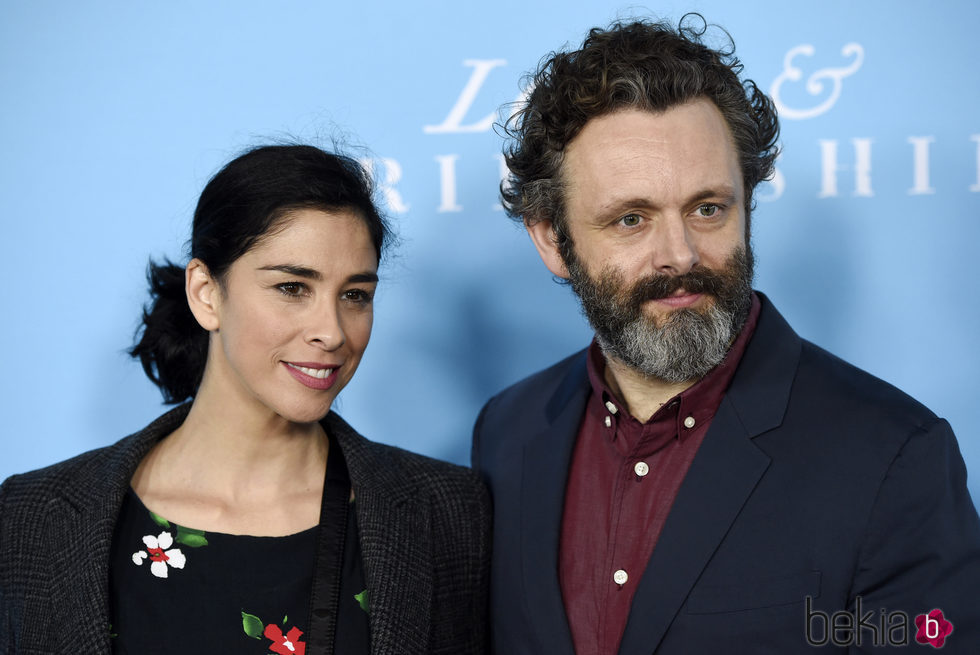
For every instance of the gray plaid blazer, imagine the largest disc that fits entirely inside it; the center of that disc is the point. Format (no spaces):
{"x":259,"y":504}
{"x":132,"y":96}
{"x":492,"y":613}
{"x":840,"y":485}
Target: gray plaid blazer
{"x":424,"y":533}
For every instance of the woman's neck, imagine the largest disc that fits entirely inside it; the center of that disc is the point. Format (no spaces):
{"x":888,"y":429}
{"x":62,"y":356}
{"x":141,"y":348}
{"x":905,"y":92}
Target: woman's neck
{"x":228,"y":469}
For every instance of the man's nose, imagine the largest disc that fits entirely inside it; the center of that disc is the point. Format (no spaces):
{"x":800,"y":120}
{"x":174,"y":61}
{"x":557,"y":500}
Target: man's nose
{"x":675,"y":252}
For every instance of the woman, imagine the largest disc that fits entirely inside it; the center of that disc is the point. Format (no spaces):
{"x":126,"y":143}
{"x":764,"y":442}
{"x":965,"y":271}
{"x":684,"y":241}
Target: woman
{"x":213,"y":529}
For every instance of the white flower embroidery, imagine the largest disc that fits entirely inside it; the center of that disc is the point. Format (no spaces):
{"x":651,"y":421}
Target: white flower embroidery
{"x":160,"y":557}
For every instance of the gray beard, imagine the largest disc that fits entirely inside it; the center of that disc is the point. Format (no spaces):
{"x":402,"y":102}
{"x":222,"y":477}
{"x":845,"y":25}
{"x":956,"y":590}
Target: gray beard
{"x":689,"y":343}
{"x":685,"y":347}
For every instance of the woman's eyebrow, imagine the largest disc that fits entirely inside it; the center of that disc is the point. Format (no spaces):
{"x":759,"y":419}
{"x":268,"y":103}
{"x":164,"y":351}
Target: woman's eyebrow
{"x":294,"y":269}
{"x":313,"y":274}
{"x":363,"y":277}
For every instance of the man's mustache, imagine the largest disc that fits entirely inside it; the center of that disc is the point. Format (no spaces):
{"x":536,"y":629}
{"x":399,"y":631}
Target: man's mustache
{"x":655,"y":287}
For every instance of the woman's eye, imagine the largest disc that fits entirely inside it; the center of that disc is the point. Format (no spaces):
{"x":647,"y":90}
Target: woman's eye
{"x":708,"y":210}
{"x":358,"y":296}
{"x":630,"y":220}
{"x":291,"y":288}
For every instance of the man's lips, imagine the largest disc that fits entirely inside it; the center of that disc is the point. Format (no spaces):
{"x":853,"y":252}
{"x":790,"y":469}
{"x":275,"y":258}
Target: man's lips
{"x":680,"y":299}
{"x":313,"y":375}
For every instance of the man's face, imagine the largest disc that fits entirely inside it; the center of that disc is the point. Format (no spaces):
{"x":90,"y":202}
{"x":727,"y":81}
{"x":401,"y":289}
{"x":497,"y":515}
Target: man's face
{"x":654,"y":206}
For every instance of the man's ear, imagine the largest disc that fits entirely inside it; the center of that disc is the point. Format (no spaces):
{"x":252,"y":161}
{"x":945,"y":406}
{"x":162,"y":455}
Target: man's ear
{"x":542,"y":232}
{"x":203,"y":294}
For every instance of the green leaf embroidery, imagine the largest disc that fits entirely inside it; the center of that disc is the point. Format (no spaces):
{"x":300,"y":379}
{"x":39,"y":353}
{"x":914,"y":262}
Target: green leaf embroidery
{"x":191,"y":538}
{"x":181,"y":528}
{"x":362,"y":599}
{"x":285,"y":619}
{"x":252,"y":625}
{"x":159,"y":520}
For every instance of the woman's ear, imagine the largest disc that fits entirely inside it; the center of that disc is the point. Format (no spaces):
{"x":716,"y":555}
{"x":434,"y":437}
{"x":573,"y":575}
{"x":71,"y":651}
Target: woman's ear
{"x":203,"y":294}
{"x":542,"y":233}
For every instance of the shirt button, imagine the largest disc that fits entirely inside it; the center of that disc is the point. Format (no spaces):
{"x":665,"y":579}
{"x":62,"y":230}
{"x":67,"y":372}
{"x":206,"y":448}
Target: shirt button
{"x":608,"y":422}
{"x":641,"y":468}
{"x":620,"y":577}
{"x":689,"y":422}
{"x":612,"y":408}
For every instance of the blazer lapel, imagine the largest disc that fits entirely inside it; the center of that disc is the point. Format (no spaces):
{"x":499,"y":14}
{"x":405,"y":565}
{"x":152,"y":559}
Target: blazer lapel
{"x":721,"y":478}
{"x":82,"y":523}
{"x":395,"y":533}
{"x":547,"y":457}
{"x":79,"y":574}
{"x":396,"y":549}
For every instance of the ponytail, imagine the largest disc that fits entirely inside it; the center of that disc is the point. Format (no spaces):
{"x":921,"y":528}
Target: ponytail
{"x":172,"y":346}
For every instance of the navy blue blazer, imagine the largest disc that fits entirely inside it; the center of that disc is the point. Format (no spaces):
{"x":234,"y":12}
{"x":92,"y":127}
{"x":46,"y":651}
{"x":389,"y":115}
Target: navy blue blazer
{"x":817,"y":486}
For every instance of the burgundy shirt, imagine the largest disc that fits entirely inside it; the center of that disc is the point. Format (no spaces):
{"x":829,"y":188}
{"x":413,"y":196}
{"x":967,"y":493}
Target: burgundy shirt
{"x":623,"y":480}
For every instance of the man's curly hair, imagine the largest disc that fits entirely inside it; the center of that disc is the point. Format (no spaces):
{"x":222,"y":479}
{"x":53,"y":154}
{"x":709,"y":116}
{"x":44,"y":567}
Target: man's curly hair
{"x":639,"y":65}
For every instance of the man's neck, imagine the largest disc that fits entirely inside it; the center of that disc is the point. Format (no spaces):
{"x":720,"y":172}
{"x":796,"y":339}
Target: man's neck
{"x":643,"y":395}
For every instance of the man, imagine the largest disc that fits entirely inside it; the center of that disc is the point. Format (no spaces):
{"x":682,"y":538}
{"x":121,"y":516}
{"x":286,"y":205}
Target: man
{"x":700,"y":479}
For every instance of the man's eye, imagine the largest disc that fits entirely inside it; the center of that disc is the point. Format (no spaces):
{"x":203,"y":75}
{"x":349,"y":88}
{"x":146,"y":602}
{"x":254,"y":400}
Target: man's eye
{"x":630,"y":220}
{"x":291,"y":288}
{"x":708,"y":210}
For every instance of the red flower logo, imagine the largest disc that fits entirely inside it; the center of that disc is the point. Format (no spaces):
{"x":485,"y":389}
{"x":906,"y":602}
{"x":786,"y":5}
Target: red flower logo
{"x":933,"y":628}
{"x":285,"y":645}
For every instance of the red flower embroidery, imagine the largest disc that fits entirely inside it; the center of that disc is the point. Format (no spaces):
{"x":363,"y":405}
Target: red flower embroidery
{"x":285,"y":645}
{"x":933,"y":628}
{"x":157,"y":555}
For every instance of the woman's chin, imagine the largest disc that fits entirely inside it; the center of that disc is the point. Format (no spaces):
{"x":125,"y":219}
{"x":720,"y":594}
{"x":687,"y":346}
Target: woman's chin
{"x":305,"y":417}
{"x":303,"y":412}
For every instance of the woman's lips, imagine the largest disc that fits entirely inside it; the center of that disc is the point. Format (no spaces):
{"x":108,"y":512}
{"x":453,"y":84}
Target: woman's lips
{"x":312,"y":375}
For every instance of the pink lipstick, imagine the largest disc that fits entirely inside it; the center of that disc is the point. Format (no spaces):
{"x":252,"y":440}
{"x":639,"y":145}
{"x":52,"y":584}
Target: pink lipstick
{"x":313,"y":375}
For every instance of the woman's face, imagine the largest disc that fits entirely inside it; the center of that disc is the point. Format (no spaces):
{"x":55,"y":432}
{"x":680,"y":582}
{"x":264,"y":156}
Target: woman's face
{"x":294,"y":316}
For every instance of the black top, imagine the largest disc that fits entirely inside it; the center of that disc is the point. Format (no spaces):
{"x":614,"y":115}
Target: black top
{"x":175,"y":589}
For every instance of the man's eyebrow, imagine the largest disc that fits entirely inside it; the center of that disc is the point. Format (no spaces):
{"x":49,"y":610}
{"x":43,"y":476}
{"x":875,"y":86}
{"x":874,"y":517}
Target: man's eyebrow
{"x":293,"y":269}
{"x":616,"y":207}
{"x":619,"y":205}
{"x":724,"y":192}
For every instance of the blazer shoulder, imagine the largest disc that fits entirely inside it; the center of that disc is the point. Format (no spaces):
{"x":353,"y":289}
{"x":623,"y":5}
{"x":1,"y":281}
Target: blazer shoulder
{"x":29,"y":501}
{"x":855,"y":392}
{"x":76,"y":479}
{"x":534,"y":390}
{"x":546,"y":377}
{"x":38,"y":486}
{"x":402,"y":473}
{"x":428,"y":474}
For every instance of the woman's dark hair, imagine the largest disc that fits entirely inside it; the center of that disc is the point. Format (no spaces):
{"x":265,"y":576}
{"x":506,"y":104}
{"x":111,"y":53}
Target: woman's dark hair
{"x":239,"y":205}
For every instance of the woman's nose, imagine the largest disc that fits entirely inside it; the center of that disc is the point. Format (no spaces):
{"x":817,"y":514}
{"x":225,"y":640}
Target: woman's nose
{"x":325,"y":329}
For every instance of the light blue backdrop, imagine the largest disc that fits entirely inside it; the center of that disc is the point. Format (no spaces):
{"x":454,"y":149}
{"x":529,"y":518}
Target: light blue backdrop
{"x":115,"y":114}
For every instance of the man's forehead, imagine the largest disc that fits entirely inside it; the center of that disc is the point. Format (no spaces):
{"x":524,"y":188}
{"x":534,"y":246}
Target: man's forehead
{"x":631,"y":154}
{"x":698,"y":118}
